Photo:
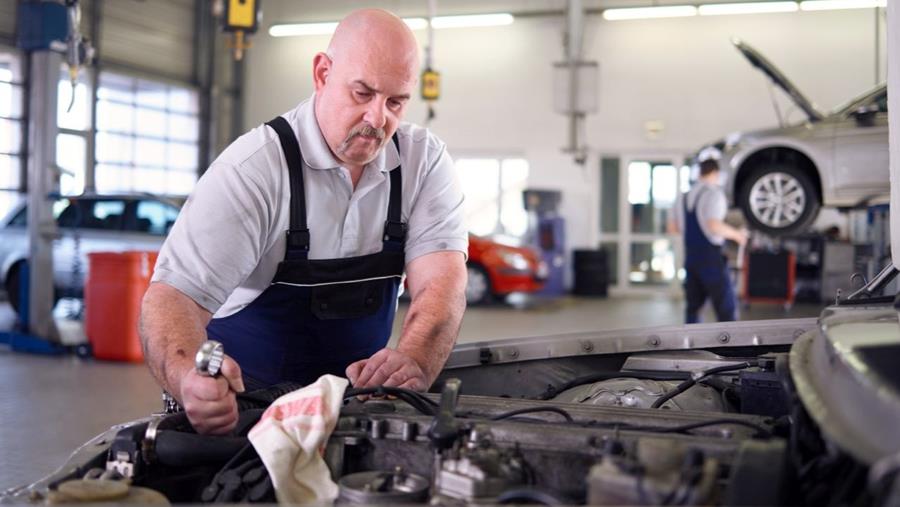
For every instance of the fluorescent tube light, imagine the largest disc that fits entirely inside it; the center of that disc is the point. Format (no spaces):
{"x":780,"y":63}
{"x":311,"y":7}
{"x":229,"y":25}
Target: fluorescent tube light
{"x":297,"y":29}
{"x":668,"y":11}
{"x":747,"y":8}
{"x":469,"y":21}
{"x":416,"y":23}
{"x":827,"y":5}
{"x":476,"y":20}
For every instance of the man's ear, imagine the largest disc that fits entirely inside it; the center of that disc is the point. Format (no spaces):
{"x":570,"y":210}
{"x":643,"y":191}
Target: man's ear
{"x":321,"y":69}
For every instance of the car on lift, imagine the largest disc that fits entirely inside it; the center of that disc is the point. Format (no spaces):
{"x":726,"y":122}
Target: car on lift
{"x":85,"y":223}
{"x":780,"y":177}
{"x":496,"y":270}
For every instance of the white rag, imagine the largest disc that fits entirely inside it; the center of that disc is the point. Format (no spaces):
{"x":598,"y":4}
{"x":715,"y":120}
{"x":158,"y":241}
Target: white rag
{"x":290,"y":438}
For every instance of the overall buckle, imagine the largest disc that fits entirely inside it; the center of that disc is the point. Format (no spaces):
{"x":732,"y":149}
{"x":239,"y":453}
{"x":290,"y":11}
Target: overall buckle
{"x":395,"y":230}
{"x":298,"y":239}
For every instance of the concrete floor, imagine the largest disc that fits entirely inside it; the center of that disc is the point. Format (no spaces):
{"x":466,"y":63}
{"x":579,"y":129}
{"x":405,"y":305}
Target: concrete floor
{"x":50,"y":405}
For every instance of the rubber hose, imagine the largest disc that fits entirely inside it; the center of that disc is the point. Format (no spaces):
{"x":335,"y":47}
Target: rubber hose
{"x":176,"y":448}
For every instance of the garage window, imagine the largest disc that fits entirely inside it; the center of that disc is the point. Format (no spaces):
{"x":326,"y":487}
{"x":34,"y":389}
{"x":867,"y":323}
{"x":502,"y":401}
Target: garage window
{"x":147,"y":136}
{"x":11,"y":125}
{"x":73,"y":118}
{"x":493,"y":190}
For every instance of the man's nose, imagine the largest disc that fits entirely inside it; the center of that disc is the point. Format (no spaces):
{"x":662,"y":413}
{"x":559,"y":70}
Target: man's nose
{"x":375,"y":114}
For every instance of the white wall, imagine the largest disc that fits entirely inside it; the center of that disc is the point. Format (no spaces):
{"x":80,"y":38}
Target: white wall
{"x":498,"y":89}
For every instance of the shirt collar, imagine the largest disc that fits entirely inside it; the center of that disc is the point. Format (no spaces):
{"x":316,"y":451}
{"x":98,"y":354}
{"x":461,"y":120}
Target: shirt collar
{"x":317,"y":154}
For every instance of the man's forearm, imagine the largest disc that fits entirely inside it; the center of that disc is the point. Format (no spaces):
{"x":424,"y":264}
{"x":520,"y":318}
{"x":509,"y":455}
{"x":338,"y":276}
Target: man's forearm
{"x":720,"y":228}
{"x":432,"y":323}
{"x":172,"y":328}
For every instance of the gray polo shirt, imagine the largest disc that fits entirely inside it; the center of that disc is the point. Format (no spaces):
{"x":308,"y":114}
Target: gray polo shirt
{"x":713,"y":205}
{"x":230,"y":235}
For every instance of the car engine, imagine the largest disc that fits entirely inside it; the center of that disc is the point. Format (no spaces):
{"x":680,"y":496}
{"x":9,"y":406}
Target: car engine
{"x":723,"y":425}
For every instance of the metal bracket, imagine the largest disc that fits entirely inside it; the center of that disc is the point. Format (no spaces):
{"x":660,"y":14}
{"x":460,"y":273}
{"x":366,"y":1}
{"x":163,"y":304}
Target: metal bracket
{"x":876,"y":284}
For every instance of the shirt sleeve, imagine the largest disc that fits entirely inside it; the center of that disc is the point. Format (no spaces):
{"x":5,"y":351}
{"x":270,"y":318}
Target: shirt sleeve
{"x":715,"y":205}
{"x":218,"y":238}
{"x":437,"y":216}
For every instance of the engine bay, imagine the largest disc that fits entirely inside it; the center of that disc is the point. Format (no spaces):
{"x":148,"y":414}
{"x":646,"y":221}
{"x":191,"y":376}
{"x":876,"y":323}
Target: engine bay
{"x":717,"y":426}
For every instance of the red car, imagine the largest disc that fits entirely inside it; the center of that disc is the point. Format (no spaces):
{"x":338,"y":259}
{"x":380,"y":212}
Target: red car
{"x":496,"y":270}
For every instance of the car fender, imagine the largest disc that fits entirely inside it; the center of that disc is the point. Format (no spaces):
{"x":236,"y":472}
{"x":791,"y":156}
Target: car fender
{"x":9,"y":261}
{"x":736,"y":161}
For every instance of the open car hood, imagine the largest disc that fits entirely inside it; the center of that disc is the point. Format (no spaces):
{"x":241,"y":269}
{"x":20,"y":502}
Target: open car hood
{"x":769,"y":69}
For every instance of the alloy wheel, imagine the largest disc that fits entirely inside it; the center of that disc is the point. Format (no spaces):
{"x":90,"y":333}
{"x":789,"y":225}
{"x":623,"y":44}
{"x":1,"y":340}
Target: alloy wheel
{"x":777,"y":200}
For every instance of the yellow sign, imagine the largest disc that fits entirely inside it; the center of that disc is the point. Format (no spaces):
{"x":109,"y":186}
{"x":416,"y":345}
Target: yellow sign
{"x":241,"y":14}
{"x":431,"y":84}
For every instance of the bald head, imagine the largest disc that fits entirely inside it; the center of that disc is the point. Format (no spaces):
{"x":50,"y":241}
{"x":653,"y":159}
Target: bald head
{"x":373,"y":30}
{"x":363,"y":83}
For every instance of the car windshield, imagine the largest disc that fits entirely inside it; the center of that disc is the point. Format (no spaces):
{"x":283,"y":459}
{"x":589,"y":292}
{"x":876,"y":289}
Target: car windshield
{"x":860,"y":100}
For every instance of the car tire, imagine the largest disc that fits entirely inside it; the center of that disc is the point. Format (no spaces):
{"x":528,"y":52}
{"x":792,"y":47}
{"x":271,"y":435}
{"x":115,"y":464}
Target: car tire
{"x":13,"y":285}
{"x":778,"y":199}
{"x":478,"y":286}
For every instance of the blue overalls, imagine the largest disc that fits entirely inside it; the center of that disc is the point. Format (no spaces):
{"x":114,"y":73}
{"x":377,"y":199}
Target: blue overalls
{"x":317,"y":316}
{"x":706,"y":270}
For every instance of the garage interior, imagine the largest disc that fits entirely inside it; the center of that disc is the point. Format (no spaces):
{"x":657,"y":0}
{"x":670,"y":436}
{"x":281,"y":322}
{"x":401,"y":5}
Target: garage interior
{"x":574,"y":125}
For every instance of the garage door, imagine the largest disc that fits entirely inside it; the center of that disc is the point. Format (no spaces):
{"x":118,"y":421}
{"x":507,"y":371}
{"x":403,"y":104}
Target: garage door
{"x":155,"y":36}
{"x":7,"y":18}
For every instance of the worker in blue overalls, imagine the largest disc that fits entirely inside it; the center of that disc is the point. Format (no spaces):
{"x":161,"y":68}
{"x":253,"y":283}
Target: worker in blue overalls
{"x":294,"y":245}
{"x":699,"y":215}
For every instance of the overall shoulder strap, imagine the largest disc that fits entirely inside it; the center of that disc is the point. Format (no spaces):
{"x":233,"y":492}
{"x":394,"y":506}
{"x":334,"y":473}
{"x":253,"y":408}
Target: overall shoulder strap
{"x":394,"y":228}
{"x":298,"y":232}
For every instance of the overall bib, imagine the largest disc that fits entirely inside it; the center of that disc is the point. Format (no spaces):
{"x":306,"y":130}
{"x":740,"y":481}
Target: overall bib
{"x":706,"y":272}
{"x":317,"y":316}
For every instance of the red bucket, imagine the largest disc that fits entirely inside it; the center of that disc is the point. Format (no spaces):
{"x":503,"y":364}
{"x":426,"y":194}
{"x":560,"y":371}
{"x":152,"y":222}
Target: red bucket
{"x":113,"y":293}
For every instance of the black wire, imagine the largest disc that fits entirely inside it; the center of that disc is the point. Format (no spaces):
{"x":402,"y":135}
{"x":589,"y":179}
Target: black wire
{"x":531,"y":410}
{"x":418,"y":401}
{"x":760,"y":430}
{"x":518,"y":496}
{"x":687,"y":384}
{"x":390,"y":391}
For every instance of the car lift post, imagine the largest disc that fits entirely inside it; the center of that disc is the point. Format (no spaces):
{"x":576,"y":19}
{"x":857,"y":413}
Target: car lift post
{"x":44,"y":23}
{"x":42,"y":180}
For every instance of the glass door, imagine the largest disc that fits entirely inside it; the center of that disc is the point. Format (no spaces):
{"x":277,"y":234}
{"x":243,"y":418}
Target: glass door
{"x":637,"y":197}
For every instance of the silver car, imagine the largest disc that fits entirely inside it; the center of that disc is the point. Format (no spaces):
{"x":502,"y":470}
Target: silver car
{"x":780,"y":177}
{"x":87,"y":223}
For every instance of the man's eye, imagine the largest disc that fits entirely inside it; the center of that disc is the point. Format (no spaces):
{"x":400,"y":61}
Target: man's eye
{"x":363,"y":95}
{"x":395,"y":104}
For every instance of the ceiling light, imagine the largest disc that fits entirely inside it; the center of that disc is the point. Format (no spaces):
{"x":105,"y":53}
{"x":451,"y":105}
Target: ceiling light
{"x":827,"y":5}
{"x":747,"y":8}
{"x":416,"y":23}
{"x":669,"y":11}
{"x":469,"y":21}
{"x":500,"y":19}
{"x":296,"y":29}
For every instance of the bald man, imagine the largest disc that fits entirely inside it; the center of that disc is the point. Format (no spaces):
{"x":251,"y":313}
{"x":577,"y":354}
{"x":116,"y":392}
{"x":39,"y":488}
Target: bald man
{"x":293,"y":246}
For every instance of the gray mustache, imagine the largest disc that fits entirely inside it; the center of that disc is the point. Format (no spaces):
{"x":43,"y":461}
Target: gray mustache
{"x":367,"y":131}
{"x":363,"y":129}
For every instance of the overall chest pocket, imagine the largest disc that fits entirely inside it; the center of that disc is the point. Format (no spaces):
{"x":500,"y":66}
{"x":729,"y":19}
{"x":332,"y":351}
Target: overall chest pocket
{"x":348,"y":300}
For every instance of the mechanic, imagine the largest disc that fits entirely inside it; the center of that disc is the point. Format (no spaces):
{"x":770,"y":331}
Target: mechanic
{"x":292,"y":247}
{"x":700,"y":215}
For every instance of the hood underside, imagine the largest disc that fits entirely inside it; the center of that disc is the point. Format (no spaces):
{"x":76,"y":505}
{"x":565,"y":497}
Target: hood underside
{"x":769,"y":69}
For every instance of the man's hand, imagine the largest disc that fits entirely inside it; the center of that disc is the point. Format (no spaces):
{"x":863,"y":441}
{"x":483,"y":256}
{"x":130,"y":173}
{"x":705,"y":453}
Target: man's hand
{"x":210,"y":402}
{"x":742,"y":236}
{"x":388,"y":367}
